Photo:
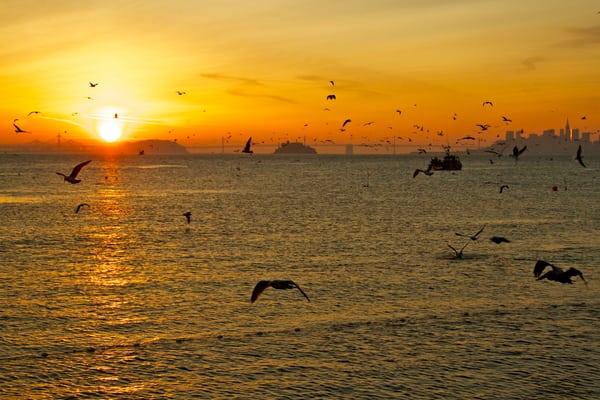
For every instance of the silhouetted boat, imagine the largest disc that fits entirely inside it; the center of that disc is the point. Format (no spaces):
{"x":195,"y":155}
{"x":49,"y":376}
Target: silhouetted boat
{"x":450,"y":162}
{"x":294,"y":148}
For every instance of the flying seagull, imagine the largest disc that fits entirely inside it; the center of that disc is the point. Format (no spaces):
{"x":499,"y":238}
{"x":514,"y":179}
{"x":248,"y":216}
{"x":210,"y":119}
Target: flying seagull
{"x":369,"y":123}
{"x":346,"y":122}
{"x":484,"y":127}
{"x":505,"y":119}
{"x":71,"y":178}
{"x":34,"y":112}
{"x":422,"y":151}
{"x":488,"y":103}
{"x":556,"y":273}
{"x":93,"y":84}
{"x":516,"y":152}
{"x":80,"y":206}
{"x":499,"y":239}
{"x":247,"y":147}
{"x":502,"y":187}
{"x":332,"y":83}
{"x":188,"y":216}
{"x":578,"y":158}
{"x":399,"y":112}
{"x":331,"y":97}
{"x":458,"y":253}
{"x":19,"y":130}
{"x":282,"y":285}
{"x":180,"y":93}
{"x":472,"y":237}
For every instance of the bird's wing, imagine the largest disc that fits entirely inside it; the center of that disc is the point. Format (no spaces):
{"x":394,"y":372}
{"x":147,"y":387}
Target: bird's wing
{"x":466,"y":244}
{"x":522,"y":150}
{"x":248,"y":144}
{"x":540,"y":265}
{"x":61,"y":174}
{"x":453,"y":249}
{"x":78,"y":168}
{"x":416,"y":173}
{"x":460,"y":234}
{"x":479,"y":232}
{"x":258,"y":289}
{"x":301,"y":291}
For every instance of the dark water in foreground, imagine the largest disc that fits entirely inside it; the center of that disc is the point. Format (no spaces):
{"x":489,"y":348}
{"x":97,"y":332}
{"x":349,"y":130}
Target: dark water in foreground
{"x":129,"y":302}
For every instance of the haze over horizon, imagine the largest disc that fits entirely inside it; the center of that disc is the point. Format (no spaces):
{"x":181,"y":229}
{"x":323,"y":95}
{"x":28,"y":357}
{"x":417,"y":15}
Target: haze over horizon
{"x":263,"y":70}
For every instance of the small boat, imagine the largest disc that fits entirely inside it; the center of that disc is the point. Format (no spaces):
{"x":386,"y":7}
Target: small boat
{"x":450,"y":162}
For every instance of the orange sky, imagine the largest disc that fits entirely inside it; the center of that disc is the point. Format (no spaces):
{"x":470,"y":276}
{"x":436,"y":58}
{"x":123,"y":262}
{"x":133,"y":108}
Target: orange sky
{"x":262,"y":68}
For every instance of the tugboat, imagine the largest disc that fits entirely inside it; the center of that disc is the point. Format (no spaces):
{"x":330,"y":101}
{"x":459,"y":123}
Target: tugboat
{"x":450,"y":162}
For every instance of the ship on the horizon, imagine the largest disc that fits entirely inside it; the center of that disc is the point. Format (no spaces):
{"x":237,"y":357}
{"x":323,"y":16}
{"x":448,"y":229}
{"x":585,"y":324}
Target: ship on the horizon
{"x":450,"y":162}
{"x":294,"y":148}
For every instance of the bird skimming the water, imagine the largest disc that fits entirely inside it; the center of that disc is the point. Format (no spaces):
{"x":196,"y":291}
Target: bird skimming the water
{"x":458,"y":253}
{"x":72,"y":177}
{"x":188,"y":216}
{"x":516,"y":152}
{"x":80,"y":206}
{"x":282,"y":285}
{"x":503,"y":187}
{"x":578,"y":157}
{"x":556,"y":273}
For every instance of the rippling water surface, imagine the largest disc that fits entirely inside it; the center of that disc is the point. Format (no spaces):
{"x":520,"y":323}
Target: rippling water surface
{"x":124,"y":300}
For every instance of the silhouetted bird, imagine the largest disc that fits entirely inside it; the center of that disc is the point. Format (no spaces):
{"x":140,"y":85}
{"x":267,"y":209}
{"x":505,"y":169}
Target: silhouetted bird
{"x":369,"y":123}
{"x":584,"y":117}
{"x":18,"y":129}
{"x":180,"y":93}
{"x":141,"y":152}
{"x":188,"y":216}
{"x":399,"y":112}
{"x":281,"y":285}
{"x":516,"y":152}
{"x":458,"y":253}
{"x":346,"y":122}
{"x":484,"y":127}
{"x":467,"y":138}
{"x":93,"y":84}
{"x":499,"y":239}
{"x":489,"y":103}
{"x":422,"y":151}
{"x":80,"y":206}
{"x":505,"y":119}
{"x":502,"y":187}
{"x":556,"y":273}
{"x":34,"y":112}
{"x":332,"y":83}
{"x":331,"y":97}
{"x":578,"y":157}
{"x":116,"y":115}
{"x":472,"y":237}
{"x":71,"y":178}
{"x":247,"y":148}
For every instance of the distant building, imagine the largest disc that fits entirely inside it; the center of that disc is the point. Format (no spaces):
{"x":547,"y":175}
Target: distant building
{"x":575,"y":135}
{"x":548,"y":133}
{"x":561,"y":135}
{"x":585,"y":137}
{"x":567,"y":131}
{"x":349,"y":149}
{"x":510,"y":136}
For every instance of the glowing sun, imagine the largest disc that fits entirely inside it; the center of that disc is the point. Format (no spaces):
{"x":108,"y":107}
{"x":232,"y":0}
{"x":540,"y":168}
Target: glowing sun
{"x":110,"y":130}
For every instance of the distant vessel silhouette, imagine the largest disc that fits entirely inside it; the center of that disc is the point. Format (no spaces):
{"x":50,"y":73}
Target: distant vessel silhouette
{"x":294,"y":148}
{"x":450,"y":162}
